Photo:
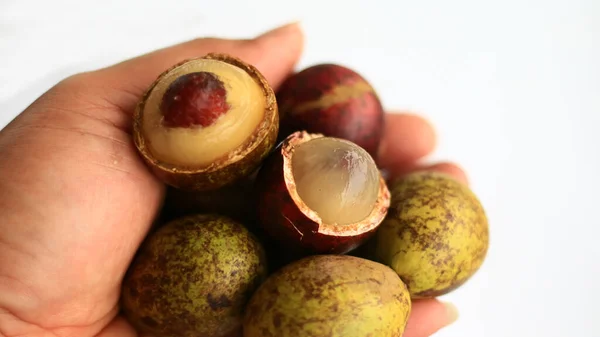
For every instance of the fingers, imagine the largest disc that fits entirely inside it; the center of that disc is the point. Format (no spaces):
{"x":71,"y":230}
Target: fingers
{"x":429,"y":316}
{"x":274,"y":54}
{"x":449,"y":168}
{"x":119,"y":327}
{"x":408,"y":138}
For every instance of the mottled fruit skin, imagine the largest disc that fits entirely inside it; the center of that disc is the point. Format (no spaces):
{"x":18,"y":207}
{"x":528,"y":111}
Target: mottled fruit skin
{"x":435,"y":236}
{"x":332,"y":100}
{"x":194,"y":99}
{"x":193,"y":277}
{"x":329,"y":295}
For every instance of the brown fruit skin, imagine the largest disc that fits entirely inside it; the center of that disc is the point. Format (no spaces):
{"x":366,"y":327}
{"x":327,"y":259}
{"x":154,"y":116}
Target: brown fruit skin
{"x":329,"y":295}
{"x":245,"y":160}
{"x":309,"y":101}
{"x":193,"y":277}
{"x":288,"y":223}
{"x":235,"y":200}
{"x":435,"y":236}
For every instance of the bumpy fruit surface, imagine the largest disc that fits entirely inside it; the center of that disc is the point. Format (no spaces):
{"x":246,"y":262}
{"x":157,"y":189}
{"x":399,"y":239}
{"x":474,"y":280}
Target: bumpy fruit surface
{"x":435,"y":235}
{"x":329,"y":295}
{"x":193,"y":277}
{"x":206,"y":122}
{"x":332,"y":100}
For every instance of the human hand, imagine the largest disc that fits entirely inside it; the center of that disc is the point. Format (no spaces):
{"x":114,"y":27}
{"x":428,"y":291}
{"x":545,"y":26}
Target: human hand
{"x":76,"y":200}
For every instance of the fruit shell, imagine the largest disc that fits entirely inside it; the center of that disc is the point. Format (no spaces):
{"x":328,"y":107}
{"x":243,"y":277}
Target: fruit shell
{"x":329,"y":295}
{"x":335,"y":101}
{"x":435,"y":236}
{"x":242,"y":162}
{"x":287,"y":219}
{"x":168,"y":293}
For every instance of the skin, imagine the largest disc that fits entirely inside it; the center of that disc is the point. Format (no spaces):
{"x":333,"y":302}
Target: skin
{"x":76,"y":199}
{"x":194,"y":277}
{"x":329,"y":295}
{"x":436,"y":235}
{"x":332,"y":100}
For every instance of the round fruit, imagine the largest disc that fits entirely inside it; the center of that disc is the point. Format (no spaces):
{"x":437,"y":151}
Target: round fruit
{"x":206,"y":122}
{"x":435,"y":235}
{"x":332,"y":100}
{"x":193,"y":277}
{"x":320,"y":194}
{"x":329,"y":295}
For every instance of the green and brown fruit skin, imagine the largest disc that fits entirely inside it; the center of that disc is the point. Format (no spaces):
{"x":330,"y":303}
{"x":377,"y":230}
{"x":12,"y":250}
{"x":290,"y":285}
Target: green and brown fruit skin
{"x":335,"y":101}
{"x":435,"y":236}
{"x":243,"y":161}
{"x":329,"y":295}
{"x":193,"y":277}
{"x":289,"y":222}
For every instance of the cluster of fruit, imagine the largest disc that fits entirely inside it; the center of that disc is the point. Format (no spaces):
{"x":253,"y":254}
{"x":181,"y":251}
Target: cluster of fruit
{"x":277,"y":220}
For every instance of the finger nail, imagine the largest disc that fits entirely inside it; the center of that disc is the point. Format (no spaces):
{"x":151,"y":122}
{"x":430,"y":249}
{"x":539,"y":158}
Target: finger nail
{"x":451,"y":313}
{"x":281,"y":31}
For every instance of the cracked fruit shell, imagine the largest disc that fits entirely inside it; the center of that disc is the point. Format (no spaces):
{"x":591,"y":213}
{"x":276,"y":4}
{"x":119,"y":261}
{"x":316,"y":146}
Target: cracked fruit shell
{"x":206,"y":122}
{"x":320,"y":194}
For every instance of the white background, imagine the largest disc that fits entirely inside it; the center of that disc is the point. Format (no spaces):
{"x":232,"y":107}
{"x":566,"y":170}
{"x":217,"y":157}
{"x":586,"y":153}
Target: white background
{"x":513,"y":88}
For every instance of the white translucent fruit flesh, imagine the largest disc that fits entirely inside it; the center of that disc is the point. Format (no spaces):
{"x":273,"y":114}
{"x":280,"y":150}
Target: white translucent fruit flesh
{"x":336,"y":179}
{"x":199,"y":147}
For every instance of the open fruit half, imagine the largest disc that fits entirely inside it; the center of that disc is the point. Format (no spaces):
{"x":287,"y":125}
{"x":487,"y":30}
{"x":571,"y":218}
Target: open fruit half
{"x":320,"y":194}
{"x":206,"y":122}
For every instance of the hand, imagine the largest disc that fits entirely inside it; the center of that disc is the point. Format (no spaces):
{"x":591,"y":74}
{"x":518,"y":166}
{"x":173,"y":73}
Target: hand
{"x":76,"y":200}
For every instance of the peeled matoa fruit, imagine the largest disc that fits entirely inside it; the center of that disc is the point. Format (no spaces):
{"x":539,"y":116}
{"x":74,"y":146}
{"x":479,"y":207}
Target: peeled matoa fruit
{"x":193,"y":277}
{"x":320,"y":195}
{"x":435,"y":235}
{"x":329,"y":295}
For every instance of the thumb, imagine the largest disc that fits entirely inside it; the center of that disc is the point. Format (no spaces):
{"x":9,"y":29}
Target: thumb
{"x":273,"y":53}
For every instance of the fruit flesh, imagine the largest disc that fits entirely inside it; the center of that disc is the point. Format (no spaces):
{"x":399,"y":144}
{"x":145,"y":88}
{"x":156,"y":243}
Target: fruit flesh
{"x":329,"y":295}
{"x":435,"y":236}
{"x":198,"y":147}
{"x":336,"y":179}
